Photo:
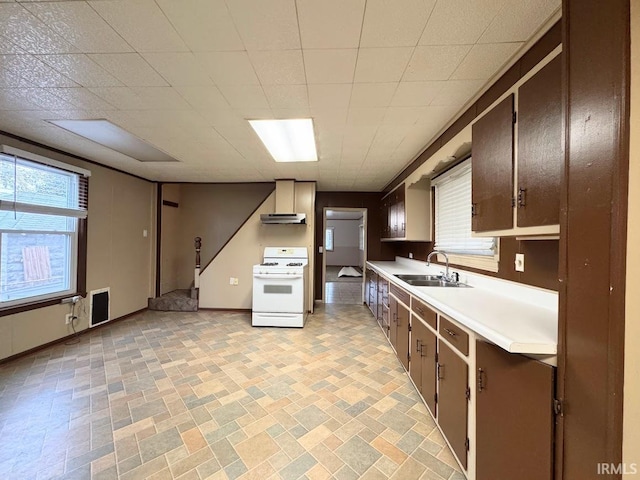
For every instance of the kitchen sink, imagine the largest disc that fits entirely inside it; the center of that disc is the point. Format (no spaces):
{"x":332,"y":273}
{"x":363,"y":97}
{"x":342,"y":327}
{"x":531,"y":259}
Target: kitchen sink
{"x":429,"y":281}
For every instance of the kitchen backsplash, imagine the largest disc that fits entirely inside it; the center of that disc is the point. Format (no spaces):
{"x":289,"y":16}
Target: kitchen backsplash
{"x":541,"y":260}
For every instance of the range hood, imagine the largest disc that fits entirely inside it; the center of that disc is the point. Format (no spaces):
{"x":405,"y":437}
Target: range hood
{"x":284,"y":218}
{"x":285,"y":205}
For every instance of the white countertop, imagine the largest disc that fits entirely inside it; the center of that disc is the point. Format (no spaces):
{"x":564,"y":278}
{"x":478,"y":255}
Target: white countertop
{"x":518,"y":318}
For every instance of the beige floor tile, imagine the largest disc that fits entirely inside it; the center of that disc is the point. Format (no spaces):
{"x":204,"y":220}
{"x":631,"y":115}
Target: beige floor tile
{"x":257,"y":449}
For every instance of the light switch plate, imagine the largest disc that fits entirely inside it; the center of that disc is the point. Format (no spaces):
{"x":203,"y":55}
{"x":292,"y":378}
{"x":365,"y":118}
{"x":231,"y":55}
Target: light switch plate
{"x":519,"y":262}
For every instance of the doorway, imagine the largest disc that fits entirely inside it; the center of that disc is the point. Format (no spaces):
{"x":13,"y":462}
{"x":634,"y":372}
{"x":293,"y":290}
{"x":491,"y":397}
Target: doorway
{"x":345,"y":254}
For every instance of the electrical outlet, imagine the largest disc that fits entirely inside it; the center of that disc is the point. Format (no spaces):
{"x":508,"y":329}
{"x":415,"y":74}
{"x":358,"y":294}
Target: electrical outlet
{"x":519,"y":262}
{"x":410,"y":255}
{"x":68,"y":318}
{"x":230,"y":280}
{"x":233,"y":281}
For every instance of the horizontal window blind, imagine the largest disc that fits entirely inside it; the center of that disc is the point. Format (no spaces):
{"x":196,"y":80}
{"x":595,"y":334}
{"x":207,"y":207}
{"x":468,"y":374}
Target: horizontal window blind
{"x":453,"y":214}
{"x":31,"y":187}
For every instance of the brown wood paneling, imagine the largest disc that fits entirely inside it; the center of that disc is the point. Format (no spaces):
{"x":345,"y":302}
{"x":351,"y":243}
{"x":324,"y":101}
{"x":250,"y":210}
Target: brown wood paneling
{"x":376,"y":250}
{"x":452,"y":401}
{"x":514,"y":416}
{"x":540,"y":154}
{"x":492,"y":168}
{"x":593,"y":236}
{"x":547,"y":43}
{"x":495,"y":91}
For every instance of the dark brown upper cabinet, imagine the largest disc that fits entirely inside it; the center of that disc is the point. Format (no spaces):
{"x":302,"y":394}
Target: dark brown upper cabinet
{"x":406,"y":213}
{"x":492,"y":169}
{"x":517,"y":160}
{"x":540,"y":158}
{"x":514,"y":416}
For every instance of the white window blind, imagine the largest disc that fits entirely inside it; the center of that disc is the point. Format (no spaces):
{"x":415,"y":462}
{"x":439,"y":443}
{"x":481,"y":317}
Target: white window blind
{"x":328,"y":239}
{"x":453,"y":214}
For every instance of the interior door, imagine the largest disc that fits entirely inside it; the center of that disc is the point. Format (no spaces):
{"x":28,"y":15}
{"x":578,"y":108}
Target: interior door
{"x":514,"y":416}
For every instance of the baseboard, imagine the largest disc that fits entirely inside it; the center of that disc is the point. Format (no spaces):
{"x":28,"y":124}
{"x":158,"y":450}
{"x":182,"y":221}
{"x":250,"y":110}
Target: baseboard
{"x":68,"y":337}
{"x":239,"y":310}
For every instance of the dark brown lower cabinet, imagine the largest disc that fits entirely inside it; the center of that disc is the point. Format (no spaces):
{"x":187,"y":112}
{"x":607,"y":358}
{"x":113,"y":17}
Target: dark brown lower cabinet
{"x":514,"y":416}
{"x":385,"y":320}
{"x":423,"y":361}
{"x":402,"y":335}
{"x":453,"y":405}
{"x":393,"y":324}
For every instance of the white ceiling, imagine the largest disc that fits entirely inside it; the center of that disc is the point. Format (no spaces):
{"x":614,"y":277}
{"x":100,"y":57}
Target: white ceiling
{"x":380,"y":78}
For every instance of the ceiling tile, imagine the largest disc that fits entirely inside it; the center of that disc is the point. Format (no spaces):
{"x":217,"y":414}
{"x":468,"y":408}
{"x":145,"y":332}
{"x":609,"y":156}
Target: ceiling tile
{"x":292,"y":112}
{"x":130,"y":68}
{"x":181,"y":68}
{"x":459,"y":22}
{"x":330,"y":23}
{"x":278,"y":67}
{"x":434,"y":62}
{"x":82,"y":98}
{"x":437,"y":115}
{"x":411,"y":94}
{"x":457,"y":92}
{"x":141,"y":23}
{"x":227,"y":68}
{"x":483,"y":61}
{"x":365,"y":115}
{"x":205,"y":25}
{"x":382,"y":64}
{"x":44,"y":98}
{"x":395,"y":23}
{"x":33,"y":71}
{"x":518,"y":20}
{"x":80,"y":25}
{"x":10,"y":99}
{"x":329,"y":96}
{"x":203,"y":98}
{"x":81,"y":69}
{"x":27,"y":32}
{"x":326,"y":118}
{"x":372,"y":94}
{"x":142,"y":98}
{"x":330,"y":65}
{"x":267,"y":24}
{"x":402,"y":115}
{"x":251,"y":96}
{"x":8,"y":48}
{"x":286,"y":96}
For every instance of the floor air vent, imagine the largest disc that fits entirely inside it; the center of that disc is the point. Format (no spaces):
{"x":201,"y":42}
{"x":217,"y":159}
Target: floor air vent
{"x":99,"y":313}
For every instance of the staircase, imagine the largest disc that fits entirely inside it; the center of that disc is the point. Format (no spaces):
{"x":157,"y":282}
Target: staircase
{"x":181,"y":300}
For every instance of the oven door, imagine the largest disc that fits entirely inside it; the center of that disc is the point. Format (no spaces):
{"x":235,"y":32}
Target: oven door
{"x":278,"y":293}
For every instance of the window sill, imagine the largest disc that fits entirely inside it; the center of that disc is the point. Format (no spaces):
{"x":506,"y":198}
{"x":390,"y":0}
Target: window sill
{"x":25,"y":307}
{"x":489,"y":264}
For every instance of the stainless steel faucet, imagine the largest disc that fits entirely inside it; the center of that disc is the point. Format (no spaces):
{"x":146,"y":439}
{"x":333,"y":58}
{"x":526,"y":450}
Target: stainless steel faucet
{"x":446,"y":258}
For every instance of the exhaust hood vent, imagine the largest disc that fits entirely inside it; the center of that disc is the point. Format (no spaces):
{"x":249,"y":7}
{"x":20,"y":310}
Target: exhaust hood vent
{"x":285,"y":203}
{"x":284,"y":218}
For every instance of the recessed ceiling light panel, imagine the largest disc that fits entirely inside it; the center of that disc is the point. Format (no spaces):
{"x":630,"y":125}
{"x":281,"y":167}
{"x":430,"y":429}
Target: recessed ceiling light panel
{"x":290,"y":140}
{"x":111,"y":136}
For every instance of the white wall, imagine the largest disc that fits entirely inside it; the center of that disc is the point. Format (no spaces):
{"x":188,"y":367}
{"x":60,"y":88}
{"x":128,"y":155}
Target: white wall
{"x":631,"y":420}
{"x":346,"y":250}
{"x":118,"y":255}
{"x":246,"y":249}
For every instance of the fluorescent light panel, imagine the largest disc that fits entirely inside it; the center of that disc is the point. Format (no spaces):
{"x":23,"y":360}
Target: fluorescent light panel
{"x":288,"y":140}
{"x":111,"y":136}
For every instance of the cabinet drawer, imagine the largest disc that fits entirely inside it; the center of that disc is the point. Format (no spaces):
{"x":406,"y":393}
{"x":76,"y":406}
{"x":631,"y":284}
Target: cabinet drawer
{"x":457,"y":337}
{"x":424,"y":312}
{"x":400,"y":294}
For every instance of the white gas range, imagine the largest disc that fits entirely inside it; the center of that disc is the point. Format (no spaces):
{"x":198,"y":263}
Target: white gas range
{"x":280,"y":290}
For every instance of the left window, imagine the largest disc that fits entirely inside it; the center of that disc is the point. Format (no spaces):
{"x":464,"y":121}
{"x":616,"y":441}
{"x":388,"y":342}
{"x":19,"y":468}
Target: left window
{"x":43,"y":214}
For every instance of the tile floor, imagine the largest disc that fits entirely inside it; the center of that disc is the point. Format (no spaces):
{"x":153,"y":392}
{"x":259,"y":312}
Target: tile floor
{"x":198,"y":395}
{"x":343,"y":293}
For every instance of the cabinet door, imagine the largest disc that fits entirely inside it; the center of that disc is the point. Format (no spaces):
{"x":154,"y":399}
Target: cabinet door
{"x":402,"y":335}
{"x":453,"y":406}
{"x":385,"y":320}
{"x":540,"y":156}
{"x":514,"y":418}
{"x":428,"y":369}
{"x":400,"y":212}
{"x":418,"y":333}
{"x":382,"y":288}
{"x":393,"y":314}
{"x":492,"y":169}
